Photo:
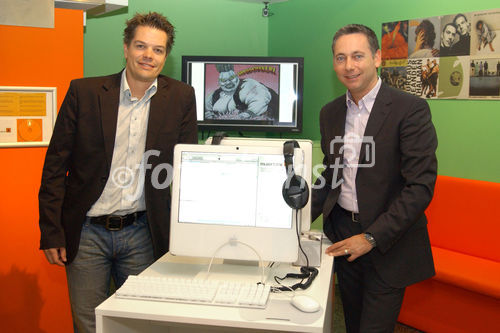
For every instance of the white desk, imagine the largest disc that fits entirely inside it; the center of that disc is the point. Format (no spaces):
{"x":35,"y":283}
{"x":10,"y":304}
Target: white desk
{"x":134,"y":316}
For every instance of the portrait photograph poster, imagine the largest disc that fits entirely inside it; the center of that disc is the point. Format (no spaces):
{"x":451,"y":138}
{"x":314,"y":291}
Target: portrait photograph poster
{"x":454,"y":56}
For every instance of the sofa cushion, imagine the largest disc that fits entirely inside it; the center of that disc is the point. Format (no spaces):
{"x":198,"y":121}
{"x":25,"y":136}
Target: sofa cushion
{"x":468,"y":272}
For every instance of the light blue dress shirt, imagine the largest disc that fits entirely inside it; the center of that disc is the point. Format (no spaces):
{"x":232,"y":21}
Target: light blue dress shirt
{"x":124,"y":190}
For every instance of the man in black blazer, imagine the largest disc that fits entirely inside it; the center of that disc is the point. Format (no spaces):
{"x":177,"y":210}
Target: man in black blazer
{"x":104,"y":199}
{"x":379,"y":145}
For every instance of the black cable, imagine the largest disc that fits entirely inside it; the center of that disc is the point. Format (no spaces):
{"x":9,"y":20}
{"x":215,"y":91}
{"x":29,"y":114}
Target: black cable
{"x":311,"y":271}
{"x":298,"y":237}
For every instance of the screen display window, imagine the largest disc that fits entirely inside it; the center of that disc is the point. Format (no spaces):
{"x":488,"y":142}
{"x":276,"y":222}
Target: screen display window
{"x":233,"y":189}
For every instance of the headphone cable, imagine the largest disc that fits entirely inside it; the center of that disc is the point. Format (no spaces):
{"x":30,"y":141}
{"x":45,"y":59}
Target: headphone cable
{"x":298,"y":236}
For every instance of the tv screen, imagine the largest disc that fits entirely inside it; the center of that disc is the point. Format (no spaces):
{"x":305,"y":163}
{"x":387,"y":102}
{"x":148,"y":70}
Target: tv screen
{"x":246,"y":93}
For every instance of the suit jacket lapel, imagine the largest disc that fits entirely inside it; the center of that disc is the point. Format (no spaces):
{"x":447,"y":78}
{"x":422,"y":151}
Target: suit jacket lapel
{"x":109,"y":101}
{"x":338,"y":129}
{"x":381,"y":108}
{"x":157,"y":112}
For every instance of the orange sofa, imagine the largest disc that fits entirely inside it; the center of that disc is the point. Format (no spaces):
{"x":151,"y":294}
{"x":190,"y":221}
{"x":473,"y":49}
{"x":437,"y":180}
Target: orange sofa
{"x":464,"y":228}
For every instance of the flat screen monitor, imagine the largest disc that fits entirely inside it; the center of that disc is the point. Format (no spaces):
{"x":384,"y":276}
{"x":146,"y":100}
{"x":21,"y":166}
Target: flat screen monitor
{"x":224,"y":197}
{"x":246,"y":93}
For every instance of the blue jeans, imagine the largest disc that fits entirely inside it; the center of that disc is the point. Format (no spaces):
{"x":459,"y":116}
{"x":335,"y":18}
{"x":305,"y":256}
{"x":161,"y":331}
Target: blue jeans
{"x":103,"y":254}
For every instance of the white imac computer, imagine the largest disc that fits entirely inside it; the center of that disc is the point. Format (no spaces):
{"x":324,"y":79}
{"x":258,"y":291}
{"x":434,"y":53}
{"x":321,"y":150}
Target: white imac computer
{"x":227,"y":203}
{"x":302,"y":161}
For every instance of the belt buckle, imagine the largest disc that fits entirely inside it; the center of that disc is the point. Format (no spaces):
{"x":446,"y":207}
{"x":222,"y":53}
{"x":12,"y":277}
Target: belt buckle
{"x":110,"y":218}
{"x":353,"y":217}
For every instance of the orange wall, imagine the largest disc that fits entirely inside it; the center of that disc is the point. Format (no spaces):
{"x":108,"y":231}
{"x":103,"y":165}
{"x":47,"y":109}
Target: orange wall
{"x":33,"y":296}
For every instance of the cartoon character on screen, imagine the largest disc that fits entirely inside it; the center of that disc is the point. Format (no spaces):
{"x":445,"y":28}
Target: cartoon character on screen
{"x":485,"y":35}
{"x":237,"y":99}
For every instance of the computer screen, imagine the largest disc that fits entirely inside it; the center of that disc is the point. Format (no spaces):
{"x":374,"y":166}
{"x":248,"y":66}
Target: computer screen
{"x":303,"y":158}
{"x":224,"y":197}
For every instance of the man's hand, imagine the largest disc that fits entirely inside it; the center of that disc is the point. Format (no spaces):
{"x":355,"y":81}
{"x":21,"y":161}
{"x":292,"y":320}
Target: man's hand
{"x":56,"y":256}
{"x":356,"y":246}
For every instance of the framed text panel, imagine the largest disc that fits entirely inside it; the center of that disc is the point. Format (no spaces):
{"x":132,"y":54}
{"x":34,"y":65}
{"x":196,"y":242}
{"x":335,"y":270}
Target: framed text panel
{"x":27,"y":116}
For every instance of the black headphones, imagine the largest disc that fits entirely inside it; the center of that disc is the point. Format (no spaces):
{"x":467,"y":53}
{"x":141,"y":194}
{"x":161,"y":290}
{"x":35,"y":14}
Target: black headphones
{"x":295,"y":190}
{"x":308,"y":273}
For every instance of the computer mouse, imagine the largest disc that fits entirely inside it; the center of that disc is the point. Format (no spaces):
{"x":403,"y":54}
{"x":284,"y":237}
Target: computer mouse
{"x":305,"y":303}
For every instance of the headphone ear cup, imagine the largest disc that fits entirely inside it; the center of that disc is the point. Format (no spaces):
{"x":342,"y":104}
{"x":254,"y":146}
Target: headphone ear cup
{"x":295,"y":192}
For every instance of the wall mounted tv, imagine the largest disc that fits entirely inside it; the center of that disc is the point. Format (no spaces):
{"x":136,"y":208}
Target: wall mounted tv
{"x":260,"y":94}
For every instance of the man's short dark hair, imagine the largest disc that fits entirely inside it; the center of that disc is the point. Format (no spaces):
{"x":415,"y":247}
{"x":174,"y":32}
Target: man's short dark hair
{"x":457,"y":16}
{"x":429,"y":34}
{"x":153,"y":20}
{"x":357,"y":29}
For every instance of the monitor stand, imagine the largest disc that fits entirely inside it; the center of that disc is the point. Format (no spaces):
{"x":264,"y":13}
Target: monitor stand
{"x":237,"y":270}
{"x":241,"y":262}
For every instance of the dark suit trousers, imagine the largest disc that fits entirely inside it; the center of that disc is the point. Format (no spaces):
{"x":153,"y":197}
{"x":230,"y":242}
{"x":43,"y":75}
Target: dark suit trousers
{"x":370,"y":305}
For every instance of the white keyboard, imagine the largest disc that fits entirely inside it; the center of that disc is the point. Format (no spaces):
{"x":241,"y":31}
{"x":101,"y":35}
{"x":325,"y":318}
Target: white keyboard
{"x":197,"y":291}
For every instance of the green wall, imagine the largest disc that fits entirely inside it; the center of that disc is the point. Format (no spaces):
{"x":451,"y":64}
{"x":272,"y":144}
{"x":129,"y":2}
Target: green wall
{"x":467,"y":130}
{"x":203,"y":27}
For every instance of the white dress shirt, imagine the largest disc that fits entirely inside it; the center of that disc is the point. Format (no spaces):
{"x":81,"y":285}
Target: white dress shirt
{"x":124,"y":190}
{"x":355,"y":124}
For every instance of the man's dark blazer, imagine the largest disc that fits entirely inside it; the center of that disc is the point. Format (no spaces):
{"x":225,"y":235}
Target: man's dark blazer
{"x":78,"y":161}
{"x":395,"y":191}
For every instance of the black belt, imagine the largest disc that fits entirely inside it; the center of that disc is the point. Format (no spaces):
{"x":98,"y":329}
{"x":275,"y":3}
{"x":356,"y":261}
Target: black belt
{"x":354,"y":216}
{"x":116,"y":222}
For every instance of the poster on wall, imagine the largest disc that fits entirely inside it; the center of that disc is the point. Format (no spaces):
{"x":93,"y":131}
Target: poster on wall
{"x":423,"y":76}
{"x":485,"y":78}
{"x":423,"y":38}
{"x":454,"y":77}
{"x":394,"y":42}
{"x":485,"y":38}
{"x":454,"y":56}
{"x":394,"y":73}
{"x":27,"y":116}
{"x":455,"y":35}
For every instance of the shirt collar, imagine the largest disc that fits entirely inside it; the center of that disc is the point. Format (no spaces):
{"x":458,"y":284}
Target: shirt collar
{"x":368,"y":100}
{"x":125,"y":88}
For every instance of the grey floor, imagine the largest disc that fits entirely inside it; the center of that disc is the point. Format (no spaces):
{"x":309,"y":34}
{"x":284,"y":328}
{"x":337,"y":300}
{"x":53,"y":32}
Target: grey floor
{"x":338,"y":318}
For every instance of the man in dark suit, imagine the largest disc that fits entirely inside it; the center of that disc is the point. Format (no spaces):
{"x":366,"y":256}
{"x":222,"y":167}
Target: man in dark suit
{"x":104,"y":199}
{"x":379,"y":145}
